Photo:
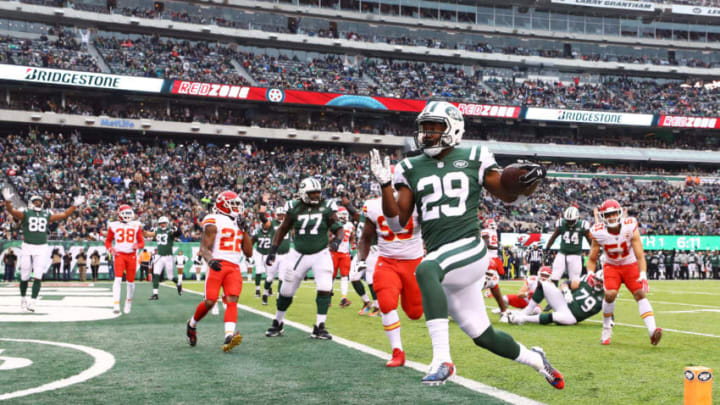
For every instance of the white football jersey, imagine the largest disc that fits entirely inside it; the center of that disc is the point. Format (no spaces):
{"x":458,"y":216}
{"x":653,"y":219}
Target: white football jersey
{"x":228,"y":239}
{"x":405,"y":245}
{"x":531,"y":284}
{"x":125,"y":235}
{"x":492,"y":236}
{"x":347,"y":232}
{"x":617,"y":248}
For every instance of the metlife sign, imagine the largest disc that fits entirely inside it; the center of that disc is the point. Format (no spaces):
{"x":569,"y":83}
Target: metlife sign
{"x":588,"y":117}
{"x":82,"y":79}
{"x":696,"y":10}
{"x":612,"y":4}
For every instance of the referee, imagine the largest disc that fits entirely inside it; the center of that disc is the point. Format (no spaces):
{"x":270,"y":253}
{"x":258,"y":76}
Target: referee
{"x":534,"y":256}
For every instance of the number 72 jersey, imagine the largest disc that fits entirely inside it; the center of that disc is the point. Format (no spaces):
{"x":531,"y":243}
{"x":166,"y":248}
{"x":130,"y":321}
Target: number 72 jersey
{"x":617,"y":247}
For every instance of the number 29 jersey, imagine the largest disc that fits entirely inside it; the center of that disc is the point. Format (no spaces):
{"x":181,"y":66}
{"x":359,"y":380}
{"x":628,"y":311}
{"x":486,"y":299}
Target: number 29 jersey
{"x":617,"y":247}
{"x":447,"y":192}
{"x":228,"y":239}
{"x":405,"y":245}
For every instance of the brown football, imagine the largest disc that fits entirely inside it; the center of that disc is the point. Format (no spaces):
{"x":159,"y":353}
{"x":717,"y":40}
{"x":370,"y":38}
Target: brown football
{"x":510,"y":178}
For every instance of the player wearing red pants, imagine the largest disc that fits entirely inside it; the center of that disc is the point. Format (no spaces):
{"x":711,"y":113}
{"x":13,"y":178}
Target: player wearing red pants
{"x":524,"y":296}
{"x":341,"y":258}
{"x":394,"y":277}
{"x":128,"y":238}
{"x":223,"y":243}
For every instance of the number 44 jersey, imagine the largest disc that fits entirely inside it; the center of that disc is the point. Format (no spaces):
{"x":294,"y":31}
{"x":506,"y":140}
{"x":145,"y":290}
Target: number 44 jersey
{"x":617,"y":247}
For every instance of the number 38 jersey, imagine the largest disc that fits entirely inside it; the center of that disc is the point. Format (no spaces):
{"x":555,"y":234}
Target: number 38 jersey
{"x":228,"y":239}
{"x":617,"y":248}
{"x":35,"y":226}
{"x":447,"y":192}
{"x":125,"y":235}
{"x":311,"y":224}
{"x":405,"y":245}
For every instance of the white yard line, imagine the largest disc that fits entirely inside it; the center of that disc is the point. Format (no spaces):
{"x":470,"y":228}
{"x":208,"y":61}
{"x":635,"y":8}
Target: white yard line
{"x":473,"y":385}
{"x":686,"y":332}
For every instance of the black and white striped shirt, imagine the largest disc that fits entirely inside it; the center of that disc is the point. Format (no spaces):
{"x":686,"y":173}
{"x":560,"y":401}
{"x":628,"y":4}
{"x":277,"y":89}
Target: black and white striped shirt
{"x":534,"y":255}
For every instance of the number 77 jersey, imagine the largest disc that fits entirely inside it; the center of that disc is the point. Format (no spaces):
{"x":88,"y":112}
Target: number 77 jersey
{"x":617,"y":247}
{"x":405,"y":245}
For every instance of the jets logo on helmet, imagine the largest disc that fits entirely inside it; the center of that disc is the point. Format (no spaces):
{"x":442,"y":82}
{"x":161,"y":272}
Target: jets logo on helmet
{"x":309,"y":186}
{"x":163,"y":220}
{"x":445,"y":113}
{"x":280,"y":211}
{"x":126,"y":213}
{"x":33,"y":200}
{"x":611,"y":213}
{"x":343,"y":214}
{"x":229,"y":203}
{"x":571,"y":215}
{"x":490,"y":224}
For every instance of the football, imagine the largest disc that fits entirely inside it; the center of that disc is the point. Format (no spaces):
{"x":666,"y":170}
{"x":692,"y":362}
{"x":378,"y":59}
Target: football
{"x":510,"y":178}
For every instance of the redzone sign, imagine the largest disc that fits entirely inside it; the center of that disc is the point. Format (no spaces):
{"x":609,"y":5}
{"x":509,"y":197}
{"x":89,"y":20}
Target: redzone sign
{"x":484,"y":110}
{"x":210,"y":90}
{"x":676,"y":121}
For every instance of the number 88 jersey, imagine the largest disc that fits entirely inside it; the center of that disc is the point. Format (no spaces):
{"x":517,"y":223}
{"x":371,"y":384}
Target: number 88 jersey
{"x":405,"y":245}
{"x":228,"y":239}
{"x":616,"y":247}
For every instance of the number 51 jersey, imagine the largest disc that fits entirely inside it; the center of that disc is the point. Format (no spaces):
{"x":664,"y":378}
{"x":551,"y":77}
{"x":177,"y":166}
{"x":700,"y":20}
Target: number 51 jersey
{"x":228,"y":239}
{"x":405,"y":245}
{"x":617,"y":247}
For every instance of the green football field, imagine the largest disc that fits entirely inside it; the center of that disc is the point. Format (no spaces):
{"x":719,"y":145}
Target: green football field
{"x":143,"y":356}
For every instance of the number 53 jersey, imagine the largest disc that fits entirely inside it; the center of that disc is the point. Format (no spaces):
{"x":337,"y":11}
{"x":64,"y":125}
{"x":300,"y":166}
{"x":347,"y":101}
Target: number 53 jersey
{"x":447,"y":192}
{"x":228,"y":239}
{"x":617,"y":247}
{"x":405,"y":245}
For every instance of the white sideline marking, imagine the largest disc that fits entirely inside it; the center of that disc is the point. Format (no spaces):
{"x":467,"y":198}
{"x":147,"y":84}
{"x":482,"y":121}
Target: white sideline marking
{"x":694,"y":311}
{"x":672,"y":303}
{"x":686,"y":332}
{"x":104,"y":361}
{"x":465,"y":382}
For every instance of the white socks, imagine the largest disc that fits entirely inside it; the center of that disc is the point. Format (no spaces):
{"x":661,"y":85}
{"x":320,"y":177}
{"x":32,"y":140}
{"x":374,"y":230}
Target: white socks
{"x":440,"y":338}
{"x":608,"y":309}
{"x":280,"y":315}
{"x":391,"y":323}
{"x":646,"y":313}
{"x":130,"y":290}
{"x":529,"y":358}
{"x":320,"y":318}
{"x":116,"y":289}
{"x":155,"y":291}
{"x":229,"y":328}
{"x":344,"y":283}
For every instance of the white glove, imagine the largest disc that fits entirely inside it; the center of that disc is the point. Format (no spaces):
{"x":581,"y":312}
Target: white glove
{"x":504,"y":317}
{"x":7,"y":193}
{"x":251,"y":262}
{"x":78,"y":201}
{"x":568,"y":295}
{"x":380,"y":167}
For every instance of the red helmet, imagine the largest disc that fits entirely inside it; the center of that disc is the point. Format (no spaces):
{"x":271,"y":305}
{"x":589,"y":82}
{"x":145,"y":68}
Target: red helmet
{"x":544,"y":273}
{"x":229,"y":203}
{"x":126,"y":213}
{"x":609,"y":207}
{"x":343,"y":214}
{"x":490,"y":224}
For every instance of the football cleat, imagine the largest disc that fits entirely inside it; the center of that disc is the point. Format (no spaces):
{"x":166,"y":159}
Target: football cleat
{"x":656,"y":336}
{"x":606,"y":335}
{"x":275,"y":330}
{"x":441,"y":375}
{"x":551,"y":374}
{"x":231,"y":341}
{"x":374,"y":311}
{"x":191,"y":334}
{"x":116,"y":308}
{"x":364,"y":310}
{"x":257,"y":293}
{"x":397,"y":360}
{"x":128,"y":306}
{"x":504,"y":317}
{"x":179,"y":288}
{"x":345,"y":303}
{"x":319,"y":332}
{"x":154,"y":298}
{"x":264,"y":299}
{"x":30,"y":305}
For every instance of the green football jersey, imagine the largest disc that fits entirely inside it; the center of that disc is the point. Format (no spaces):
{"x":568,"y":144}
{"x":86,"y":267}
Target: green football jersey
{"x":311,"y":224}
{"x":447,"y":192}
{"x":587,"y":301}
{"x":285,"y":244}
{"x":35,"y":226}
{"x":571,"y":236}
{"x":263,"y":238}
{"x":165,"y":237}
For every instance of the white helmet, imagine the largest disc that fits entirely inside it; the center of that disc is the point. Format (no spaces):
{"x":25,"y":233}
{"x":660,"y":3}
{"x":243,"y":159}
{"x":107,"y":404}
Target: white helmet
{"x":571,"y":214}
{"x":446,"y":113}
{"x":280,"y":211}
{"x":163,"y":220}
{"x":32,"y":203}
{"x":307,"y":186}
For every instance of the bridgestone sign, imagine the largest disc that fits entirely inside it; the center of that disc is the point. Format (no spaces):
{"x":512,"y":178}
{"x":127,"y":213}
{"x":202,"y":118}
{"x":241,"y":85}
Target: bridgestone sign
{"x":588,"y":117}
{"x":82,"y":79}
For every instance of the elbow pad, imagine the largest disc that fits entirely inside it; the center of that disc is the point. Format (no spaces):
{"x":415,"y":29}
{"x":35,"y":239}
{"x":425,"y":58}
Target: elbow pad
{"x":394,"y":223}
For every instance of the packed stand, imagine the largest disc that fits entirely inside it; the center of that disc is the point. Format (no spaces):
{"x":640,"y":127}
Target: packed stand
{"x":64,"y":52}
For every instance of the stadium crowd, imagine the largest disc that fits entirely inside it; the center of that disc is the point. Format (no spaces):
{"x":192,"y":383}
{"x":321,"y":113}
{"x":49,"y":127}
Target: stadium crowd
{"x":160,"y":176}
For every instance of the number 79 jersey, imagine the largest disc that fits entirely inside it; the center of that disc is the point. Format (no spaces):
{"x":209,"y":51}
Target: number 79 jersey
{"x":228,"y":239}
{"x":447,"y":192}
{"x":617,"y":247}
{"x":405,"y":245}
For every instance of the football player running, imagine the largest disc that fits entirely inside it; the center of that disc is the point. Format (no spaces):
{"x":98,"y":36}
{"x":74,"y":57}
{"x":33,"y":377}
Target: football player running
{"x":34,"y":251}
{"x":394,"y":274}
{"x":341,"y":258}
{"x":571,"y":232}
{"x":310,"y":217}
{"x":224,"y":242}
{"x":164,"y":235}
{"x":278,"y":267}
{"x":365,"y":270}
{"x":570,"y":306}
{"x":623,"y":263}
{"x":444,"y":184}
{"x":127,"y":235}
